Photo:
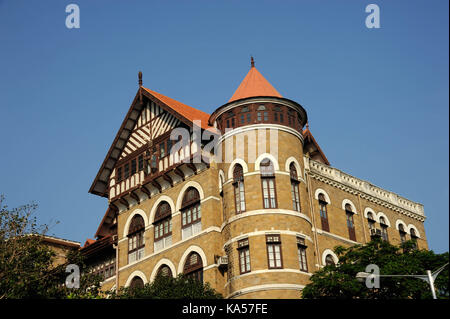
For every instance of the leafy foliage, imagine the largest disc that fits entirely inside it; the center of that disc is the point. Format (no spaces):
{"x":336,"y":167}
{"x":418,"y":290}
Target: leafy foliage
{"x":26,"y":262}
{"x":167,"y":287}
{"x":339,"y":281}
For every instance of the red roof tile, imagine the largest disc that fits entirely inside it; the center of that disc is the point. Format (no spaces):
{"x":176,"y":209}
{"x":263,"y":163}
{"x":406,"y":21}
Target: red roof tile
{"x":254,"y":84}
{"x":187,"y":111}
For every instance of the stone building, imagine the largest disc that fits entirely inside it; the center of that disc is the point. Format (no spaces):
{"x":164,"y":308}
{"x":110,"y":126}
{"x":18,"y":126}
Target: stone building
{"x":254,"y":219}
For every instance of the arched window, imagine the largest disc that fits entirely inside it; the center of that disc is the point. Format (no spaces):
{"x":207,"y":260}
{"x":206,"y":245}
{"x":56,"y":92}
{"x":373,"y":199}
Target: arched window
{"x":414,"y":237}
{"x":329,"y":260}
{"x":323,"y":212}
{"x":136,"y":239}
{"x":165,"y":271}
{"x":194,"y":266}
{"x":350,"y":223}
{"x":370,"y":220}
{"x":268,"y":184}
{"x":238,"y":185}
{"x":402,"y":232}
{"x":384,"y":227}
{"x":163,"y":226}
{"x":294,"y":188}
{"x":190,"y":213}
{"x":136,"y":283}
{"x":262,"y":113}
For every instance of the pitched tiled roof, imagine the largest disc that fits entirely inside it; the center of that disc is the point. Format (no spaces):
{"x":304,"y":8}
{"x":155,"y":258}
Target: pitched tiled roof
{"x":187,"y":111}
{"x":254,"y":84}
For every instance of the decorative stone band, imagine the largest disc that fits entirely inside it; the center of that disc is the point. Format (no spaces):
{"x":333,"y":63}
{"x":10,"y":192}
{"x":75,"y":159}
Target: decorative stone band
{"x":265,"y":287}
{"x":268,"y":271}
{"x":366,"y":190}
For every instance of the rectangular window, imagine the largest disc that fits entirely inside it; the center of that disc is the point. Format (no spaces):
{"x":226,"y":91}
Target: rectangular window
{"x":127,"y":170}
{"x":244,"y":256}
{"x":133,"y":166}
{"x":266,"y":116}
{"x":281,"y":118}
{"x":239,"y":196}
{"x":259,"y":116}
{"x":242,"y":119}
{"x":249,"y":117}
{"x":295,"y":196}
{"x":141,"y":162}
{"x":275,"y":117}
{"x":169,"y":146}
{"x":324,"y":216}
{"x":162,"y":149}
{"x":119,"y":174}
{"x":301,"y":247}
{"x":269,"y":197}
{"x":274,"y":251}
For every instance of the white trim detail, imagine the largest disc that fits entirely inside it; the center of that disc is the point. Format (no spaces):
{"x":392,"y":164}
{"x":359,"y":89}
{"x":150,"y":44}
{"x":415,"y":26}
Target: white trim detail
{"x":398,"y":222}
{"x":256,"y":127}
{"x":411,"y":226}
{"x":159,"y":252}
{"x":265,"y":271}
{"x":137,"y":211}
{"x":136,"y":273}
{"x":234,"y":162}
{"x":267,"y":232}
{"x":221,"y":182}
{"x":327,"y":252}
{"x":265,"y":287}
{"x":163,"y":261}
{"x":348,"y":201}
{"x":320,"y":190}
{"x":296,"y":164}
{"x":192,"y":248}
{"x":381,"y":214}
{"x":268,"y":156}
{"x":162,"y":198}
{"x":196,"y":185}
{"x":263,"y":212}
{"x":370,"y":210}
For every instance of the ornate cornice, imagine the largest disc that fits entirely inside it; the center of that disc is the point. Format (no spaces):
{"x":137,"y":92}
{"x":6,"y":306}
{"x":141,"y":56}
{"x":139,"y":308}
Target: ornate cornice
{"x":350,"y":184}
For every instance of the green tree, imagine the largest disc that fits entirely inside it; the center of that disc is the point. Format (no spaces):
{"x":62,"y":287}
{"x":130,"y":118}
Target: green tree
{"x":339,"y":281}
{"x":26,"y":263}
{"x":167,"y":287}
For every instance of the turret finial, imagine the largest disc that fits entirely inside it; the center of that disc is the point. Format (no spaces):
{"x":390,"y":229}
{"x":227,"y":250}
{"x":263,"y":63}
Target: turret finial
{"x":252,"y":61}
{"x":140,"y":78}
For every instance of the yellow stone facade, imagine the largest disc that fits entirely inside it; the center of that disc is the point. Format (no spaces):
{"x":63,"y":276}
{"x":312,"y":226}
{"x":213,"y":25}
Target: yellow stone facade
{"x":222,"y":227}
{"x":249,"y":135}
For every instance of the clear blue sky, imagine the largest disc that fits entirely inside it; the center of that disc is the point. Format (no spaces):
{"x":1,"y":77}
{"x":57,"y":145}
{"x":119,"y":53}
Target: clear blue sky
{"x":377,"y":99}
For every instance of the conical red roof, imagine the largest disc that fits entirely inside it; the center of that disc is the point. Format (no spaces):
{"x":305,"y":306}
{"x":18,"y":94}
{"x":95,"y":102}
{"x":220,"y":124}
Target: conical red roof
{"x":254,"y":84}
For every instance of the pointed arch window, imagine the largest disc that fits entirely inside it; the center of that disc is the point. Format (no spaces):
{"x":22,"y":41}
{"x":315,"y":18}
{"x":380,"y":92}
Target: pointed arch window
{"x":414,"y":237}
{"x":163,"y":226}
{"x":137,"y":283}
{"x":136,"y":243}
{"x":350,"y":223}
{"x":402,"y":232}
{"x":370,"y":220}
{"x":164,"y":271}
{"x":190,"y":213}
{"x":384,"y":227}
{"x":268,"y":184}
{"x":294,"y":188}
{"x":329,"y":260}
{"x":323,"y":212}
{"x":238,"y":185}
{"x":194,"y":266}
